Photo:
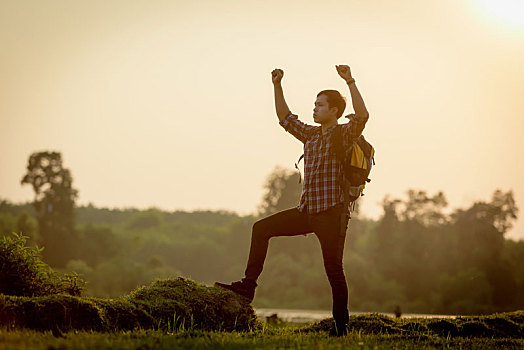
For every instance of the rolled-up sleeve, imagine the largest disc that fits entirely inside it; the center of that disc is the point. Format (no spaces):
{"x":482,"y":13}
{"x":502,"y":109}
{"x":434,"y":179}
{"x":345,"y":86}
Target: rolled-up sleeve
{"x":296,"y":127}
{"x":352,"y":130}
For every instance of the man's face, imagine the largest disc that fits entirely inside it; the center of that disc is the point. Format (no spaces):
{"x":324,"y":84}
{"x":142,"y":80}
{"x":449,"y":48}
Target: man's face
{"x":322,"y":113}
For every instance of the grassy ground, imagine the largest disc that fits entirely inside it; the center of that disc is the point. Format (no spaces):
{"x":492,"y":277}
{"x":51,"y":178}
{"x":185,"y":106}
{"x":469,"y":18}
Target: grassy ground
{"x":370,"y":331}
{"x":282,"y":338}
{"x":180,"y":313}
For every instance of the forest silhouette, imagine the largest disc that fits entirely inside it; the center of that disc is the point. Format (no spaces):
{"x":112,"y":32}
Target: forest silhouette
{"x":418,"y":255}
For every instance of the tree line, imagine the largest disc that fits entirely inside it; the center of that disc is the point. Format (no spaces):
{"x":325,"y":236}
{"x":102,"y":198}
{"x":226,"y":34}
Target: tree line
{"x":418,"y":255}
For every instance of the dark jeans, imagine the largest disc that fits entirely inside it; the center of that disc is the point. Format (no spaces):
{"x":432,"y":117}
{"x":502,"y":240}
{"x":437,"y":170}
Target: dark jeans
{"x":330,"y":228}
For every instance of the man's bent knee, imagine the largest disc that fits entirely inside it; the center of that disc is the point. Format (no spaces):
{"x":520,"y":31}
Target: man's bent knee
{"x":260,"y":230}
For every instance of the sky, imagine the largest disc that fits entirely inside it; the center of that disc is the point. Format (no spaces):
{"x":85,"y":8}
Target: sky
{"x":169,"y":104}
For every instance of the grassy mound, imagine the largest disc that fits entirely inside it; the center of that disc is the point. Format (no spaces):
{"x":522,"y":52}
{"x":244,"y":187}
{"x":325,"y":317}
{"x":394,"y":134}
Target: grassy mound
{"x":188,"y":304}
{"x":504,"y":325}
{"x":168,"y":305}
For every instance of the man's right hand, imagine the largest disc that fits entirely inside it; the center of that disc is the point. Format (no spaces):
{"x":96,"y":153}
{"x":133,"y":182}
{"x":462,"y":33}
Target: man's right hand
{"x":280,"y":101}
{"x":277,"y":75}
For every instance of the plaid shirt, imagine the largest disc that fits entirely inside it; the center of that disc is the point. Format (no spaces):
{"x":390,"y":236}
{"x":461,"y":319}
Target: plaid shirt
{"x":322,"y":187}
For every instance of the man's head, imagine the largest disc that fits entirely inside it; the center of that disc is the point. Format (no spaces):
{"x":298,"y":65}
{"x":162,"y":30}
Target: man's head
{"x":329,"y":106}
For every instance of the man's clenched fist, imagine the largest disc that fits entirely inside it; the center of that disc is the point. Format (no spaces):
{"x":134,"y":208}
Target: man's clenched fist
{"x":344,"y":72}
{"x":277,"y":75}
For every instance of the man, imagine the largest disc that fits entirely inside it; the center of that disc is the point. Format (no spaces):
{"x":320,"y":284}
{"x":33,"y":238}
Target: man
{"x":321,"y":209}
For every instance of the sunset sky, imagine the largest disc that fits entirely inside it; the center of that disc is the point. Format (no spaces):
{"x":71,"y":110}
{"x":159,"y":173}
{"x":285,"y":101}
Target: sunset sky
{"x":170,"y":103}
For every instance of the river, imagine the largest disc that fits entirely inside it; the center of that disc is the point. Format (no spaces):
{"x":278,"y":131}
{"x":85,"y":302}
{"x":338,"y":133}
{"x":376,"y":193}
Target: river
{"x":304,"y":316}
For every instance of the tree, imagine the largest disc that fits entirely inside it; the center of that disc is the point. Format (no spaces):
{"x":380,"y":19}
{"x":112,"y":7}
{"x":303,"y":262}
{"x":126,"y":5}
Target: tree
{"x":481,"y":230}
{"x":283,"y":191}
{"x":424,"y":209}
{"x":54,"y":205}
{"x":504,"y":210}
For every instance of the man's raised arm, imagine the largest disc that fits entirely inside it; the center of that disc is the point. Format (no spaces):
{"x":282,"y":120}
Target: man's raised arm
{"x":356,"y":98}
{"x":288,"y":120}
{"x":280,"y":102}
{"x":353,"y":129}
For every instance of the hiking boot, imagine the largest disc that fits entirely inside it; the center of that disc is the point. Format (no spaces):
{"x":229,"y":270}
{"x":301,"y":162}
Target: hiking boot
{"x":243,"y":288}
{"x":339,"y":329}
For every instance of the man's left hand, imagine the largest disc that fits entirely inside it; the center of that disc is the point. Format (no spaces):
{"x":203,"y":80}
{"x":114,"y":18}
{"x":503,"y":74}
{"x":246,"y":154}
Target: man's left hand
{"x":344,"y":71}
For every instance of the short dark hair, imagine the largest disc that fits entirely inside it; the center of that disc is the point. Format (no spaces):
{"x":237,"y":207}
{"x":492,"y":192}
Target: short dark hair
{"x":334,"y":99}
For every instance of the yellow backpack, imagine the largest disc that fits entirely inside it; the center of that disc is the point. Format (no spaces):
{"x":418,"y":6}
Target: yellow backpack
{"x":357,"y":161}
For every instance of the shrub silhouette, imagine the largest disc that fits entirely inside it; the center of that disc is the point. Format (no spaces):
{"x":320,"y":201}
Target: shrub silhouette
{"x":23,"y":273}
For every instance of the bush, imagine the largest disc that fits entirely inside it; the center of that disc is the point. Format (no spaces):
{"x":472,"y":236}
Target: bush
{"x":23,"y":273}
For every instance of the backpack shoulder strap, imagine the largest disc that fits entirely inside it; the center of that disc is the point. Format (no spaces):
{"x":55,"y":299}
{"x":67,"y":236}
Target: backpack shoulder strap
{"x":296,"y":167}
{"x":340,"y":155}
{"x":337,"y":143}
